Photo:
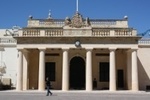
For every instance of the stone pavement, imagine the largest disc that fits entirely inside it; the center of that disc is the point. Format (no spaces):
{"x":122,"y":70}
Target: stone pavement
{"x":74,"y":95}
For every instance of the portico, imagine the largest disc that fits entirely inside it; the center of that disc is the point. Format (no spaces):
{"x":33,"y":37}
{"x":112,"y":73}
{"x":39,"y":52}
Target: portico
{"x":88,"y":55}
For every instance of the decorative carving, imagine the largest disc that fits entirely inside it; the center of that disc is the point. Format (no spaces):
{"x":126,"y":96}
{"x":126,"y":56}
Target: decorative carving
{"x":77,"y":21}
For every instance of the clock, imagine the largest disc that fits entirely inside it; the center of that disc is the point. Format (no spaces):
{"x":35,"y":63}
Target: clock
{"x":77,"y":43}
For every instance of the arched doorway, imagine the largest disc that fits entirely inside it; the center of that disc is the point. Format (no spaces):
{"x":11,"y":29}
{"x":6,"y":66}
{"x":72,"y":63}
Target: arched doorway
{"x":77,"y":73}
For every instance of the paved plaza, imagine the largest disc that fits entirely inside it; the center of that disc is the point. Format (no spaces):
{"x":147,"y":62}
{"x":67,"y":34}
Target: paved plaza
{"x":74,"y":95}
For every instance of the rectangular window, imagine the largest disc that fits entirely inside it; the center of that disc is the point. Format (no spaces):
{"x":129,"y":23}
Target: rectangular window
{"x":50,"y":70}
{"x":104,"y":71}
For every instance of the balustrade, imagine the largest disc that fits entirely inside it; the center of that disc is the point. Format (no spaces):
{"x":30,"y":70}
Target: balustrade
{"x":144,"y":42}
{"x":31,"y":32}
{"x":102,"y":23}
{"x":47,"y":23}
{"x":123,"y":33}
{"x":53,"y":32}
{"x":101,"y":33}
{"x":95,"y":32}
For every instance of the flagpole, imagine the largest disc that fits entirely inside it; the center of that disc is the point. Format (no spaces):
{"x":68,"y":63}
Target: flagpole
{"x":77,"y":4}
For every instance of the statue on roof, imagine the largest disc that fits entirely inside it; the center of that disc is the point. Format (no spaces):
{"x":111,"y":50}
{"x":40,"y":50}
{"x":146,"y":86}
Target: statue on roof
{"x":87,"y":22}
{"x":49,"y":15}
{"x":67,"y":21}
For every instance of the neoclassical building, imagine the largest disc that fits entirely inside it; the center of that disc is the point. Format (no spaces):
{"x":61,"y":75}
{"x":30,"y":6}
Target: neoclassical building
{"x":81,"y":54}
{"x":73,"y":52}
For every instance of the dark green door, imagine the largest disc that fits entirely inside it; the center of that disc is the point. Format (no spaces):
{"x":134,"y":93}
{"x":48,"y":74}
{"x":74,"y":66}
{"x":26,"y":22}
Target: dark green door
{"x":120,"y":79}
{"x":77,"y":73}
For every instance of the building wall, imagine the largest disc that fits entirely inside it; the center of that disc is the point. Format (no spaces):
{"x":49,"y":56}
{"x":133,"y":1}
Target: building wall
{"x":144,"y":67}
{"x":9,"y":58}
{"x":33,"y":69}
{"x":95,"y":64}
{"x":57,"y":84}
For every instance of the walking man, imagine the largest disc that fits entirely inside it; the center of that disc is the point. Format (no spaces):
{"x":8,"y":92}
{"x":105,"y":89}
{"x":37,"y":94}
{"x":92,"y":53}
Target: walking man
{"x":48,"y":85}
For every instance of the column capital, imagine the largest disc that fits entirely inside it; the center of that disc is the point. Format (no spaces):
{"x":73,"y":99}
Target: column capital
{"x":89,"y":49}
{"x":20,"y":49}
{"x":131,"y":50}
{"x":42,"y":49}
{"x":134,"y":49}
{"x":65,"y":49}
{"x":128,"y":51}
{"x":112,"y":48}
{"x":25,"y":50}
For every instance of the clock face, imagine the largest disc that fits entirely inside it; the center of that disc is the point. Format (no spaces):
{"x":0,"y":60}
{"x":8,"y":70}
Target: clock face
{"x":77,"y":43}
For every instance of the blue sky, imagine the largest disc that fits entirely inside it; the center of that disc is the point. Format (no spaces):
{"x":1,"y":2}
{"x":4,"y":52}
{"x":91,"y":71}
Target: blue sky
{"x":16,"y":12}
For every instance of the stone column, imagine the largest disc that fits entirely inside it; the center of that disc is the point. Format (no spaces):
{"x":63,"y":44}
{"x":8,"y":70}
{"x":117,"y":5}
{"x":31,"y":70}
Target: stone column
{"x":20,"y":71}
{"x":41,"y":83}
{"x":129,"y":69}
{"x":25,"y":69}
{"x":89,"y":83}
{"x":135,"y":84}
{"x":65,"y":73}
{"x":112,"y":76}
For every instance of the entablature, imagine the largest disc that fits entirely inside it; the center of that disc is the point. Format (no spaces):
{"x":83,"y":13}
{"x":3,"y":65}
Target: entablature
{"x":72,"y":40}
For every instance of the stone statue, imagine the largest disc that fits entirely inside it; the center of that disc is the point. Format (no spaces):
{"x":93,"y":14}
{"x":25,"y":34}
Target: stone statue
{"x":87,"y":22}
{"x":67,"y":21}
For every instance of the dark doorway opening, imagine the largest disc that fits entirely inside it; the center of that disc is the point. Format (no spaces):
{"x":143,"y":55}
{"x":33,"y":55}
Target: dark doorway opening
{"x":77,"y":73}
{"x":104,"y":71}
{"x":120,"y":79}
{"x":50,"y":70}
{"x":104,"y":74}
